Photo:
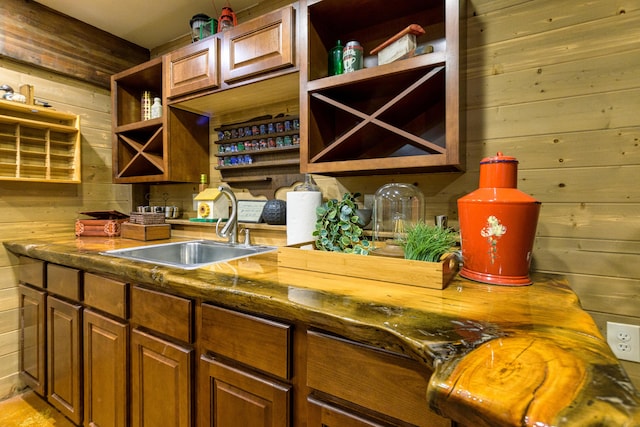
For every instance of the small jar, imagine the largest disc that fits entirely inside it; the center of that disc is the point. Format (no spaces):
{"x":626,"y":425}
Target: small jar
{"x":156,"y":108}
{"x":352,"y":57}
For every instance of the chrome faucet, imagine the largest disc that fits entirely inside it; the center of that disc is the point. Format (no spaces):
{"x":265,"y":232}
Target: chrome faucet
{"x":230,"y":230}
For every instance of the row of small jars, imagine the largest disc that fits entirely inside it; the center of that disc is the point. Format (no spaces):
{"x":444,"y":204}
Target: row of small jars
{"x":235,"y":160}
{"x":263,"y":129}
{"x":261,"y":144}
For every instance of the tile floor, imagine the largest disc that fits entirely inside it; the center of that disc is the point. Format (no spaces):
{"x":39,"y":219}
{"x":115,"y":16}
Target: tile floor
{"x":30,"y":410}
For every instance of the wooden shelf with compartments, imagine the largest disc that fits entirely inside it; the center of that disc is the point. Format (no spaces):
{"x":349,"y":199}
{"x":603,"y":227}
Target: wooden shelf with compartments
{"x":398,"y":117}
{"x":38,"y":144}
{"x":172,"y":148}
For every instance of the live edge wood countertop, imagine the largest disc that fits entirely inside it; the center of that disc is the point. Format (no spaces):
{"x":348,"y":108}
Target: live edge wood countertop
{"x":500,"y":356}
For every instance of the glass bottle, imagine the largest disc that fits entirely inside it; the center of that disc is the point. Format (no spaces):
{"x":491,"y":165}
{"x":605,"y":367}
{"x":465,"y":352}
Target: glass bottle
{"x":335,"y":60}
{"x":309,"y":184}
{"x":156,"y":108}
{"x":203,"y":182}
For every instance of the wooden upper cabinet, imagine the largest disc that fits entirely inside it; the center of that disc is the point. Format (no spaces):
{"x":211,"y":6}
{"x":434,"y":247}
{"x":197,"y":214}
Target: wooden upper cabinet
{"x":259,"y":46}
{"x":192,"y":68}
{"x":397,"y":117}
{"x":171,"y":148}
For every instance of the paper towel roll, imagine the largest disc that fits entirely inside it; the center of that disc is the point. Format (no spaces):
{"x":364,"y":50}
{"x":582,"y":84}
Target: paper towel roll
{"x":301,"y":215}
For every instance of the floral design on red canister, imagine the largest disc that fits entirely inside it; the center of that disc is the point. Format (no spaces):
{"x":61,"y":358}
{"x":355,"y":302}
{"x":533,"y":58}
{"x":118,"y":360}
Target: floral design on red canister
{"x":492,"y":231}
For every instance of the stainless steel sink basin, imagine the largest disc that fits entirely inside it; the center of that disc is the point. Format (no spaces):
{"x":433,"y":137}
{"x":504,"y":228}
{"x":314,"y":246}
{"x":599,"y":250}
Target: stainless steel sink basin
{"x":189,"y":255}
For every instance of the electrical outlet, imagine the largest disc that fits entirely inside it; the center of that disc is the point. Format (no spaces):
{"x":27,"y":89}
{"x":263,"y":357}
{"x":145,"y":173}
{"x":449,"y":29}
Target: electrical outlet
{"x":624,"y":340}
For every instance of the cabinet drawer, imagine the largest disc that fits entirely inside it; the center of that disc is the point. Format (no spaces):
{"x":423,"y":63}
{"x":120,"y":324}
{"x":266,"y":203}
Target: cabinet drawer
{"x":387,"y":383}
{"x":322,"y":414}
{"x":253,"y":341}
{"x":259,"y":46}
{"x":64,"y":281}
{"x":105,"y":294}
{"x":192,"y":68}
{"x":168,"y":314}
{"x":31,"y":272}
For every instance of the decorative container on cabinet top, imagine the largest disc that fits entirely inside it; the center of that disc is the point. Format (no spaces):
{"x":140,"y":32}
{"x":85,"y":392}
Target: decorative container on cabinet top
{"x":397,"y":207}
{"x":498,"y":226}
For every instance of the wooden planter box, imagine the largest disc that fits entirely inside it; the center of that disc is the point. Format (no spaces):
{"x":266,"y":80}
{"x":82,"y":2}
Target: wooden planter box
{"x":434,"y":275}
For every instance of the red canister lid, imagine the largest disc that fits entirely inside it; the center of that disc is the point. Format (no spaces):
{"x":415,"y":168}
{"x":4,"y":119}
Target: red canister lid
{"x":499,"y":158}
{"x":499,"y":172}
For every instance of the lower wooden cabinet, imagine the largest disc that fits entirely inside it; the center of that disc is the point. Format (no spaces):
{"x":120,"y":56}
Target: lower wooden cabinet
{"x":32,"y":338}
{"x":105,"y":371}
{"x":374,"y":384}
{"x":234,"y":397}
{"x":116,"y":355}
{"x":161,"y":385}
{"x":64,"y":352}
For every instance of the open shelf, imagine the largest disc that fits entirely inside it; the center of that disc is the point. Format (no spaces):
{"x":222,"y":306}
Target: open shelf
{"x":38,"y":144}
{"x":144,"y":149}
{"x":397,"y":117}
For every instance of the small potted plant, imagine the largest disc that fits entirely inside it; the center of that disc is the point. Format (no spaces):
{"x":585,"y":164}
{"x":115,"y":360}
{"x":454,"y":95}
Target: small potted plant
{"x":338,"y":227}
{"x":428,"y":242}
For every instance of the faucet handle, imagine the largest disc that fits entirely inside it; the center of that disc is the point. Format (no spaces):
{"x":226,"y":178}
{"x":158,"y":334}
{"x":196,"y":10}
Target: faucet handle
{"x":247,"y":237}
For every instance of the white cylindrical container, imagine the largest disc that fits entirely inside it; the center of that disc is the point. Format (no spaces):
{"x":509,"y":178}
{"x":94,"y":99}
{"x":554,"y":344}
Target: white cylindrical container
{"x":301,"y":215}
{"x":301,"y":211}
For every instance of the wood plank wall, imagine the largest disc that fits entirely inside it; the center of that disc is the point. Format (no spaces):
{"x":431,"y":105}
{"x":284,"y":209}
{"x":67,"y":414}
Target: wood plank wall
{"x":41,"y":37}
{"x":45,"y":210}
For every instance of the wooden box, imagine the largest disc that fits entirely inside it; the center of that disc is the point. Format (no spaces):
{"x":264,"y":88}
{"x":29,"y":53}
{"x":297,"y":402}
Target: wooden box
{"x":103,"y":224}
{"x":434,"y":275}
{"x":146,"y":232}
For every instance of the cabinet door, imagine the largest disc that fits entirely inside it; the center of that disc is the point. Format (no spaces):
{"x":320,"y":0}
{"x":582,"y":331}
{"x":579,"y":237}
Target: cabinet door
{"x":64,"y":358}
{"x":259,"y":46}
{"x":232,"y":397}
{"x":161,"y":385}
{"x":192,"y":68}
{"x":105,"y":371}
{"x":32,"y":338}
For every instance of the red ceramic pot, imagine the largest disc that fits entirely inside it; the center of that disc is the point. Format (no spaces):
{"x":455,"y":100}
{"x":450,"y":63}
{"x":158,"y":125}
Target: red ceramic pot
{"x":498,"y":226}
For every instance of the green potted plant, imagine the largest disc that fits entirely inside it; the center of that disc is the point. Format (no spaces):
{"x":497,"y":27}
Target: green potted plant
{"x":338,"y":227}
{"x":428,"y":242}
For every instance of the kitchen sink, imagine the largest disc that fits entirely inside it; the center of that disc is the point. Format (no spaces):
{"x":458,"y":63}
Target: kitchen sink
{"x":189,"y":255}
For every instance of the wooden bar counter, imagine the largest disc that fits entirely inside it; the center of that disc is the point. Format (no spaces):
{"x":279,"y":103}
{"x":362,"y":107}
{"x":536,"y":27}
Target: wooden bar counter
{"x":499,"y":356}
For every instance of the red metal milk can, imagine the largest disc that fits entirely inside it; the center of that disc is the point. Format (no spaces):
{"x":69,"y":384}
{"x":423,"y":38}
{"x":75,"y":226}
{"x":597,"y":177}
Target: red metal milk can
{"x":498,"y":226}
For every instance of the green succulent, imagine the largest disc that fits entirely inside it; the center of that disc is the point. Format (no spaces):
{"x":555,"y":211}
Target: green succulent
{"x":337,"y":228}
